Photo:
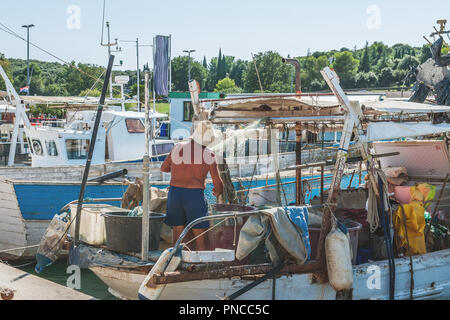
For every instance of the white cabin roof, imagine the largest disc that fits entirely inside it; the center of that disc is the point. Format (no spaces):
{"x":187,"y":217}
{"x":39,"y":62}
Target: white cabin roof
{"x":395,"y":106}
{"x":135,"y":115}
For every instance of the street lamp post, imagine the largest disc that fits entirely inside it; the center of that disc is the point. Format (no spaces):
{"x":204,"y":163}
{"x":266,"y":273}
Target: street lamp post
{"x":189,"y":62}
{"x":137,"y":66}
{"x":28,"y":26}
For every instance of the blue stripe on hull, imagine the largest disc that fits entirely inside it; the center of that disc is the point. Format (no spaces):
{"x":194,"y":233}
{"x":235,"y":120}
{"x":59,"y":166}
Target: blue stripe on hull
{"x":43,"y":201}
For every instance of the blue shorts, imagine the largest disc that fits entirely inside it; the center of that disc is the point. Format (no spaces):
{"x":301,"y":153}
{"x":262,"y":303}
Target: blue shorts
{"x":185,"y":205}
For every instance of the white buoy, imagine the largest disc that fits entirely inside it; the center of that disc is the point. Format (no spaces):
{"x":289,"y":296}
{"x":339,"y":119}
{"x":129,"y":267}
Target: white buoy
{"x":339,"y":262}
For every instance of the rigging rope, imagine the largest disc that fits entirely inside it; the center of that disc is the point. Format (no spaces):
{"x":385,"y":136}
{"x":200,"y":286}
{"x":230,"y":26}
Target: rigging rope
{"x":13,"y":33}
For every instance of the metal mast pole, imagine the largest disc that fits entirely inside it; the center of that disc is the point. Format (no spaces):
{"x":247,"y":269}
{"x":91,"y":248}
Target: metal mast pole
{"x":91,"y":150}
{"x":28,"y":55}
{"x":146,"y":164}
{"x":109,"y":54}
{"x":137,"y":71}
{"x":153,"y":89}
{"x":189,"y":66}
{"x":189,"y":62}
{"x":28,"y":60}
{"x":138,"y":80}
{"x":154,"y":95}
{"x":170,"y":63}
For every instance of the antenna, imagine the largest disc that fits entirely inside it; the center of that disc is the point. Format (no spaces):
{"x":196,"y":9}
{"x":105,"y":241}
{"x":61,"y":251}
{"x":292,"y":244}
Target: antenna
{"x":103,"y":22}
{"x":109,"y":45}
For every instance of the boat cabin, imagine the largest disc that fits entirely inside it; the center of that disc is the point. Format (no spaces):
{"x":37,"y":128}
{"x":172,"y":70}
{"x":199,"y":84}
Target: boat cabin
{"x":121,"y":137}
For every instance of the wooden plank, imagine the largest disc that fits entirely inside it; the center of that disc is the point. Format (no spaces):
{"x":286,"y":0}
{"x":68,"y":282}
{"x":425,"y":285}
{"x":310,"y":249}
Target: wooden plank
{"x":238,"y":271}
{"x":10,"y":220}
{"x":12,"y":234}
{"x":6,"y":188}
{"x":6,"y":204}
{"x":278,"y":114}
{"x":35,"y":230}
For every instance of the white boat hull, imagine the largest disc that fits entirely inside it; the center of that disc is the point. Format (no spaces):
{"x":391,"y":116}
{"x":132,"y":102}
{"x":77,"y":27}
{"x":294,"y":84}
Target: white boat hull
{"x":431,"y":281}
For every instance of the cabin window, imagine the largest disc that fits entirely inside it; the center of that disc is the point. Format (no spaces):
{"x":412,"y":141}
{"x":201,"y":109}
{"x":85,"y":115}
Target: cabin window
{"x":134,"y":126}
{"x":77,"y":149}
{"x":51,"y":148}
{"x":162,"y":148}
{"x":188,"y":111}
{"x":37,"y":147}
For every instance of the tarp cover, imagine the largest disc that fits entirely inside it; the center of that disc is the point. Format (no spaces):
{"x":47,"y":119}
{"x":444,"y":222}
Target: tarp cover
{"x":289,"y":234}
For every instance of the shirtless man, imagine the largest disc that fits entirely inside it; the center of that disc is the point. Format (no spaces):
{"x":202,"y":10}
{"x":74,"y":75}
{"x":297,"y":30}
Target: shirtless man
{"x":189,"y":163}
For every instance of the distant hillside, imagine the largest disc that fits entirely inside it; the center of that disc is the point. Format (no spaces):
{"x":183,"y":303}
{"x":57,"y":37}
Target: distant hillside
{"x":375,"y":65}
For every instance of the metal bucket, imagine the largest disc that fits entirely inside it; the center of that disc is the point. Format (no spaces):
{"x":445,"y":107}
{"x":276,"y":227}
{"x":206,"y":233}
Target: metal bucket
{"x":226,"y":234}
{"x":124,"y":233}
{"x":353,"y":228}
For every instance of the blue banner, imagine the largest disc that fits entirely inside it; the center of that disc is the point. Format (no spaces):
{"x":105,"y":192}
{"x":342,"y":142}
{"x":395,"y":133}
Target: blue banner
{"x":161,"y":66}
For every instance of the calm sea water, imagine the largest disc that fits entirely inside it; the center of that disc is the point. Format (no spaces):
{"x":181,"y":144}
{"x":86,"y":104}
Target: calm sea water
{"x":90,"y":283}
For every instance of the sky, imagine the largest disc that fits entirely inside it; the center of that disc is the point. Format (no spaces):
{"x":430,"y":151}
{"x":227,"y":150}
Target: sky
{"x":71,"y":29}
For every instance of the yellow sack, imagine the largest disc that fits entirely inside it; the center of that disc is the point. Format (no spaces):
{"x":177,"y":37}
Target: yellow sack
{"x":423,"y":192}
{"x":415,"y":224}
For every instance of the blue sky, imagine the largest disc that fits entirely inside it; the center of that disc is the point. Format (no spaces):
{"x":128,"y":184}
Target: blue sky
{"x":239,"y":27}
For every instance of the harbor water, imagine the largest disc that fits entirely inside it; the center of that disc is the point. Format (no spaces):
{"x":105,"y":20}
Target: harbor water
{"x":59,"y":273}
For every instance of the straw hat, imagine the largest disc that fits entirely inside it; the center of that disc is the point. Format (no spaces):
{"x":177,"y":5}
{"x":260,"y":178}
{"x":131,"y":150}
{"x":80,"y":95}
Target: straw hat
{"x":204,"y":134}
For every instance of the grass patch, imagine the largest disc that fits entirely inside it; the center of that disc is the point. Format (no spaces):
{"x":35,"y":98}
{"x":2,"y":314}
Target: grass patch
{"x":163,"y":108}
{"x":160,"y":107}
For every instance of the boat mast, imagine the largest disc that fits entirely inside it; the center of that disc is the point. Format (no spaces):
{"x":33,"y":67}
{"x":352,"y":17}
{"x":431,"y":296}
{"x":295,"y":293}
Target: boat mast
{"x":352,"y":124}
{"x":91,"y":149}
{"x":146,"y":162}
{"x":109,"y":45}
{"x":21,"y":117}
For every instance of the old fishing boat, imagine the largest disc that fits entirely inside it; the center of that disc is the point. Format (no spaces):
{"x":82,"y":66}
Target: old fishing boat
{"x":32,"y":195}
{"x":379,"y":274}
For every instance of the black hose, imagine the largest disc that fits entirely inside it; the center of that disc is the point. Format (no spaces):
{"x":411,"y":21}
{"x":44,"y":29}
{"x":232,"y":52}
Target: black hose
{"x":387,"y":238}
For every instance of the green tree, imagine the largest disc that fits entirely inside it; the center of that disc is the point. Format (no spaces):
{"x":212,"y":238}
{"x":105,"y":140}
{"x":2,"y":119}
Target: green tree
{"x":133,"y":91}
{"x":211,"y":79}
{"x":364,"y":65}
{"x":94,"y":92}
{"x":237,"y":71}
{"x":345,"y":66}
{"x":7,"y":67}
{"x":55,"y":89}
{"x":180,"y":73}
{"x":227,"y":85}
{"x":36,"y":82}
{"x":408,"y":62}
{"x":78,"y":77}
{"x":386,"y":77}
{"x":366,"y":79}
{"x":219,"y":66}
{"x":425,"y":53}
{"x":310,"y":72}
{"x":271,"y":70}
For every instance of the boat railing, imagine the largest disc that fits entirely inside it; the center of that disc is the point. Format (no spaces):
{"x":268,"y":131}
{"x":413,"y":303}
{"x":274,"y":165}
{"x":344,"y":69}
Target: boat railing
{"x":53,"y":123}
{"x":88,"y":200}
{"x":220,"y":215}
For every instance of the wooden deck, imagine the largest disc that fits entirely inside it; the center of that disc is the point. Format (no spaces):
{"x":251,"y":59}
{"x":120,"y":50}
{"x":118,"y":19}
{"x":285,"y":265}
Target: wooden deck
{"x":25,"y":286}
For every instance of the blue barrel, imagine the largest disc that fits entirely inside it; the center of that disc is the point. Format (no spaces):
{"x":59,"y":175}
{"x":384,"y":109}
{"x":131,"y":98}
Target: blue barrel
{"x":163,"y":130}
